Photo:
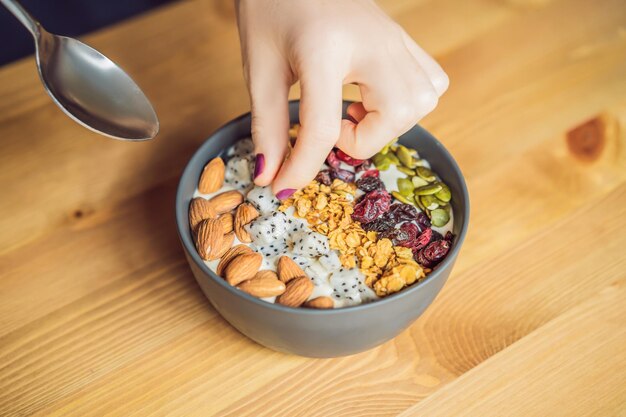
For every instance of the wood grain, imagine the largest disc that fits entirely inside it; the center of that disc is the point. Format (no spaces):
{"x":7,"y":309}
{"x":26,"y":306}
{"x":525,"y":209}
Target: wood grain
{"x":99,"y":312}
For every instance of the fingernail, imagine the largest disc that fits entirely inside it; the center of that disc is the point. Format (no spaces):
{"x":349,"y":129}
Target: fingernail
{"x":285,"y":194}
{"x":259,"y":165}
{"x":352,"y":119}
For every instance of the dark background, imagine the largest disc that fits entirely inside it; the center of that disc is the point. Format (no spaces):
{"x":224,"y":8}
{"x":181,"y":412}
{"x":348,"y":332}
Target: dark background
{"x":64,"y":17}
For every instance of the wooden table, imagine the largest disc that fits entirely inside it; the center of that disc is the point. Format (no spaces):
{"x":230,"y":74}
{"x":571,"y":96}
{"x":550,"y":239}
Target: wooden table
{"x":99,"y":312}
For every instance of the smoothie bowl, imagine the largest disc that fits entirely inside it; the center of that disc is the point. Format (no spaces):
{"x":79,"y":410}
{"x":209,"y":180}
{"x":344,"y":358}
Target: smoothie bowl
{"x":341,"y":266}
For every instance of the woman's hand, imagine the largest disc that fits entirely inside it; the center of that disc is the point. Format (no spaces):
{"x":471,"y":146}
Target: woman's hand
{"x":326,"y":44}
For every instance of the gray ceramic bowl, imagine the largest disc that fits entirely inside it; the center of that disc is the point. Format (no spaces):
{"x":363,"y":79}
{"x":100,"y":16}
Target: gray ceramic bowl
{"x":321,"y":333}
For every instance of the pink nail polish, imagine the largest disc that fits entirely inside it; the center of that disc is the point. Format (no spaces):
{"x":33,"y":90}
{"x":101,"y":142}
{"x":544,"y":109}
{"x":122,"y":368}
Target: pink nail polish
{"x":285,"y":194}
{"x":259,"y":165}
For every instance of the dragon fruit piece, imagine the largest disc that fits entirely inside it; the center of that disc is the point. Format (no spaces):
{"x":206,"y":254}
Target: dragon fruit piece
{"x":296,"y":224}
{"x":266,"y":229}
{"x":346,"y":284}
{"x":330,"y":261}
{"x":243,"y":148}
{"x":238,"y":174}
{"x":309,"y":243}
{"x":317,"y":272}
{"x":301,"y":261}
{"x":349,"y":288}
{"x":275,"y":248}
{"x":263,"y":199}
{"x":319,"y":278}
{"x":367,"y":294}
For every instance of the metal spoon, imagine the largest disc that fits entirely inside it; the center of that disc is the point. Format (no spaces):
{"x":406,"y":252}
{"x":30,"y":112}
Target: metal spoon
{"x":87,"y":86}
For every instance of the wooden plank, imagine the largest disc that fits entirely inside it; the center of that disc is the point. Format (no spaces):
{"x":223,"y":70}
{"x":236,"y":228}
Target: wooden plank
{"x":572,"y":366}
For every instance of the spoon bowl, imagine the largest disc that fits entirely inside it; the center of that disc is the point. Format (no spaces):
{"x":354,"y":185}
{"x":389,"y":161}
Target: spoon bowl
{"x":94,"y":91}
{"x":88,"y":86}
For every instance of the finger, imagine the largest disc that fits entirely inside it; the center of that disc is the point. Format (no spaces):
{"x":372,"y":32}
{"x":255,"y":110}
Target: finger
{"x":436,"y":74}
{"x":356,"y":111}
{"x":320,"y":124}
{"x":269,"y":89}
{"x":391,"y":110}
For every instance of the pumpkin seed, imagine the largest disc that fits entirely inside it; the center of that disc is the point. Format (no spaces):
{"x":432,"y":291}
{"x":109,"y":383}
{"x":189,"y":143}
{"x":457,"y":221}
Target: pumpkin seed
{"x":381,"y":161}
{"x":428,"y":189}
{"x":405,"y":187}
{"x":392,"y":158}
{"x":419,"y":204}
{"x":420,"y":163}
{"x":419,"y":182}
{"x":439,"y":217}
{"x":405,"y":157}
{"x":403,"y":199}
{"x":405,"y":170}
{"x":429,"y":201}
{"x":444,"y":194}
{"x":388,"y":146}
{"x":426,"y":174}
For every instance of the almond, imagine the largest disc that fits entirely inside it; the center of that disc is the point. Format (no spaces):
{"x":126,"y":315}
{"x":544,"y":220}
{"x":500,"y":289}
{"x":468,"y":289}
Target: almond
{"x":212,"y":177}
{"x":209,"y":238}
{"x":227,"y":242}
{"x":227,"y":220}
{"x":243,"y":267}
{"x":296,"y":293}
{"x":320,"y":302}
{"x":226,"y":201}
{"x":200,"y":209}
{"x":245,"y":214}
{"x":288,"y":269}
{"x":264,"y":284}
{"x":229,"y":256}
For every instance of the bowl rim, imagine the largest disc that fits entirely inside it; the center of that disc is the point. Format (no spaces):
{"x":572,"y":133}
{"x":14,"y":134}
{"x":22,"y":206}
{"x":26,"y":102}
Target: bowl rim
{"x":193,"y":254}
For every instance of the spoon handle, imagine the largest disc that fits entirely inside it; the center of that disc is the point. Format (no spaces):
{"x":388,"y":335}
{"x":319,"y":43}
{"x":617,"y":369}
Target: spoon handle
{"x":23,"y":16}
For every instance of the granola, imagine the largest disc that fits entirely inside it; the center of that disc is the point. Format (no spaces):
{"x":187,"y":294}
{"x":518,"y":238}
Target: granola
{"x":328,"y":210}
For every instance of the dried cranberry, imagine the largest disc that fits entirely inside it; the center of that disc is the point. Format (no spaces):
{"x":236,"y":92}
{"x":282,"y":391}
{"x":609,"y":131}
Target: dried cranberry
{"x":364,"y":166}
{"x":423,"y":221}
{"x":370,"y":173}
{"x":449,"y":236}
{"x":436,"y":236}
{"x":421,"y":259}
{"x":371,"y":206}
{"x":406,"y":235}
{"x":423,"y":239}
{"x":368,"y":184}
{"x":342,"y":156}
{"x":389,"y":233}
{"x":380,"y":225}
{"x":323,"y":177}
{"x":342,"y":174}
{"x":436,"y":251}
{"x":399,"y":213}
{"x":332,"y":160}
